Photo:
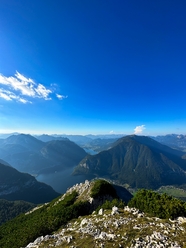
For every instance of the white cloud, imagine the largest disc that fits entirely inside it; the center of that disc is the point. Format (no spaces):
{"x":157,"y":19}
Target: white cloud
{"x":22,"y":78}
{"x":42,"y":92}
{"x":5,"y":96}
{"x":139,"y":129}
{"x":111,"y":132}
{"x":23,"y":100}
{"x":9,"y":96}
{"x":18,"y":88}
{"x":19,"y":83}
{"x":61,"y":97}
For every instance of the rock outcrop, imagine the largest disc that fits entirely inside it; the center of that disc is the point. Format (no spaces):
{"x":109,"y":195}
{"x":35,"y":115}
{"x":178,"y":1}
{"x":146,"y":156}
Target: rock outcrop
{"x":123,"y":229}
{"x":128,"y":227}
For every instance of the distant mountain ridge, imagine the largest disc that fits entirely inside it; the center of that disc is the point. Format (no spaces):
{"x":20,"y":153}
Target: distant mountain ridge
{"x":47,"y":138}
{"x":24,"y":140}
{"x":177,"y":141}
{"x":89,"y":142}
{"x":172,"y":140}
{"x":138,"y":161}
{"x":28,"y":154}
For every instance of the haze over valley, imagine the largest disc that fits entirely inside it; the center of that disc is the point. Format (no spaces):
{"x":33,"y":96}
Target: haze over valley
{"x":138,"y":161}
{"x":92,"y":123}
{"x":77,"y":77}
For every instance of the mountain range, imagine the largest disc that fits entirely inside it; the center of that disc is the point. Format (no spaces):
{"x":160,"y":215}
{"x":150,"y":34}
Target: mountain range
{"x":98,"y":143}
{"x":138,"y":161}
{"x":135,"y":161}
{"x":15,"y":185}
{"x":28,"y":154}
{"x":173,"y":140}
{"x":92,"y":144}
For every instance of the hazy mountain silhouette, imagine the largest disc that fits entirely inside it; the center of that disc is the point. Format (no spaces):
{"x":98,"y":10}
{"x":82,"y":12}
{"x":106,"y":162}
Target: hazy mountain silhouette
{"x":28,"y":154}
{"x":46,"y":137}
{"x":173,"y":140}
{"x":95,"y":142}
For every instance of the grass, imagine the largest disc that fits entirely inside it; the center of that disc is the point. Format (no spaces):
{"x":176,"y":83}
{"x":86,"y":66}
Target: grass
{"x":125,"y":234}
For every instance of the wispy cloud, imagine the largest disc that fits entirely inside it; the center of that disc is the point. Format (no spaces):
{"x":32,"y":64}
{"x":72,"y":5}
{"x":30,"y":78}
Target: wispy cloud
{"x":61,"y":97}
{"x":139,"y":129}
{"x":9,"y":96}
{"x":23,"y":89}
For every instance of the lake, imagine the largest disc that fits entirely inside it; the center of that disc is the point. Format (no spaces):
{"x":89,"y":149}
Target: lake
{"x":61,"y":181}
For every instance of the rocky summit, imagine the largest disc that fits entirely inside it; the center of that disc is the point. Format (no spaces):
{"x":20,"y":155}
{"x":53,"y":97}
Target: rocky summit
{"x":128,"y":227}
{"x":118,"y":227}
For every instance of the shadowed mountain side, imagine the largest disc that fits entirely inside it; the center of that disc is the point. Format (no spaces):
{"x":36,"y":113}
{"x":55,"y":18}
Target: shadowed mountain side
{"x":123,"y":193}
{"x":4,"y":162}
{"x":138,"y":161}
{"x":175,"y":155}
{"x":61,"y":154}
{"x":151,"y":143}
{"x":15,"y":185}
{"x":28,"y":154}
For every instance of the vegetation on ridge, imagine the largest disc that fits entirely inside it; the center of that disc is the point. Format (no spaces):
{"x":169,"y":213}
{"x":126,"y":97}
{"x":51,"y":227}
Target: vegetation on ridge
{"x":102,"y":187}
{"x":50,"y":217}
{"x":159,"y":205}
{"x":47,"y":219}
{"x":26,"y":228}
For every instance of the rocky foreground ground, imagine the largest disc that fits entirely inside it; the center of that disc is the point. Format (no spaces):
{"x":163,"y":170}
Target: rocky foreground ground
{"x":128,"y":228}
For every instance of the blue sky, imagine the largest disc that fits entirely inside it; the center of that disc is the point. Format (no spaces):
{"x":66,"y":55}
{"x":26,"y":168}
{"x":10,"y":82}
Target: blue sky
{"x":96,"y":66}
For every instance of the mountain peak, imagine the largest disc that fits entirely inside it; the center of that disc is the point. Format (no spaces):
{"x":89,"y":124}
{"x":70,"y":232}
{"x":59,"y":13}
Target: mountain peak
{"x":138,"y":161}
